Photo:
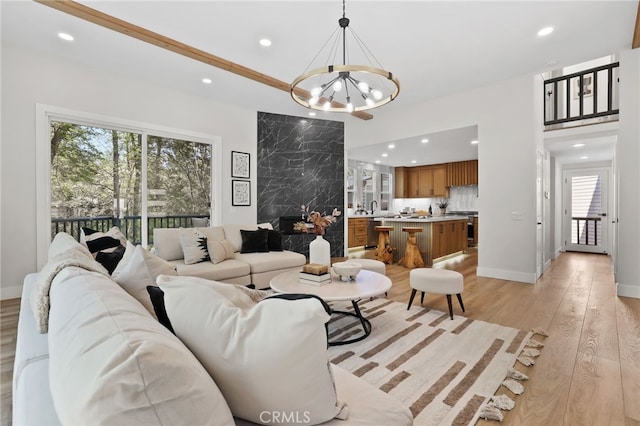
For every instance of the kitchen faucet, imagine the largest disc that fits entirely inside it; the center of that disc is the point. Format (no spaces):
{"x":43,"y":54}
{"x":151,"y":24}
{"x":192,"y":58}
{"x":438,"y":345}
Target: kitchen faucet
{"x":372,"y":210}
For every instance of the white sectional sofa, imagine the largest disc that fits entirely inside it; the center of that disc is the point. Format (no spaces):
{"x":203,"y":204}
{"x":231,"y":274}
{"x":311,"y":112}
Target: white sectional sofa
{"x":242,"y":268}
{"x":106,"y":359}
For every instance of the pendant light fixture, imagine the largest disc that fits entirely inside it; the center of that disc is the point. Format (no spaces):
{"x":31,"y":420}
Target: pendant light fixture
{"x":343,"y":87}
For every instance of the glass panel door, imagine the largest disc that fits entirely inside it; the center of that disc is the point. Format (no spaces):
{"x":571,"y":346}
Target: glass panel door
{"x":586,"y":211}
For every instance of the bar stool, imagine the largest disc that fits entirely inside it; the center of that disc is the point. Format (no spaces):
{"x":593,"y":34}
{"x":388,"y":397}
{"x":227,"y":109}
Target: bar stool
{"x":412,"y":256}
{"x":384,"y":252}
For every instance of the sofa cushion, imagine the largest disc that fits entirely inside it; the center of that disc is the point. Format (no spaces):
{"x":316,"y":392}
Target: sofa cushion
{"x":194,"y":246}
{"x":270,"y":356}
{"x":139,"y":271}
{"x":254,"y":241}
{"x":219,"y":250}
{"x":63,"y":242}
{"x":112,"y":363}
{"x":272,"y":261}
{"x":230,"y":268}
{"x":166,"y":243}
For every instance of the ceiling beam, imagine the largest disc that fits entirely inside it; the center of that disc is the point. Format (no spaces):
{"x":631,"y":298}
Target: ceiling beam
{"x":107,"y":21}
{"x":636,"y":33}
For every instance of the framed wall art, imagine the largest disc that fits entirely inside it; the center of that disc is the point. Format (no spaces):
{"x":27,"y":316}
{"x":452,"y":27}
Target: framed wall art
{"x":240,"y":162}
{"x":240,"y":192}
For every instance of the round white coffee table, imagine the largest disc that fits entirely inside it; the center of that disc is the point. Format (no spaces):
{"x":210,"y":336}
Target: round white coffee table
{"x":366,"y":284}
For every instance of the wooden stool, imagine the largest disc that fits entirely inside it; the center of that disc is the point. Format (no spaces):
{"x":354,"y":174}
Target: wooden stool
{"x":441,"y":281}
{"x":412,"y":256}
{"x":384,"y":252}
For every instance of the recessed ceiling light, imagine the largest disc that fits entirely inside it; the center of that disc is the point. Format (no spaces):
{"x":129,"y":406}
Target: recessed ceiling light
{"x":545,"y":31}
{"x":312,"y":114}
{"x":413,"y":161}
{"x":474,"y":142}
{"x":385,"y":155}
{"x":265,"y":42}
{"x":425,"y":140}
{"x":65,"y":36}
{"x":584,"y":157}
{"x":377,"y":161}
{"x":206,"y":80}
{"x":391,"y":146}
{"x":577,"y":145}
{"x":551,"y":63}
{"x":303,"y":121}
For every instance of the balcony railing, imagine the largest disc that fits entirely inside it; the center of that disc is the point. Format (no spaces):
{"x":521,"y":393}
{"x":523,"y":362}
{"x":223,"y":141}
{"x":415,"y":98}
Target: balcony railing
{"x":130,"y":226}
{"x":586,"y":230}
{"x":583,"y":95}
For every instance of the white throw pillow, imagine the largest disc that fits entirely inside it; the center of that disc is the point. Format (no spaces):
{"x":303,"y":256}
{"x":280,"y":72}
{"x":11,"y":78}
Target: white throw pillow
{"x":266,"y":357}
{"x":111,"y":363}
{"x":63,"y":242}
{"x":219,"y":250}
{"x":139,"y":269}
{"x":194,"y":246}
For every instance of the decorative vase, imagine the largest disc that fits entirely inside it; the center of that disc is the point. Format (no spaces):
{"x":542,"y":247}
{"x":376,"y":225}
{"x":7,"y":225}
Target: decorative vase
{"x":320,"y":251}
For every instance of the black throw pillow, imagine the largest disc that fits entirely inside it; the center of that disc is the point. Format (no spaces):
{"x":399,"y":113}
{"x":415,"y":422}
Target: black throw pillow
{"x":157,"y":300}
{"x":274,"y":240}
{"x":110,"y":259}
{"x":254,"y":241}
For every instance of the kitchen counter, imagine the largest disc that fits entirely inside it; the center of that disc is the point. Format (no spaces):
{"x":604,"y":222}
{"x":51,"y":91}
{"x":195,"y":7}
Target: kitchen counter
{"x":440,"y":236}
{"x":422,"y":219}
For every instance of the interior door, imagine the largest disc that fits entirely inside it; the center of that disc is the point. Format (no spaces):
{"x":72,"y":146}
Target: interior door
{"x":585,"y":210}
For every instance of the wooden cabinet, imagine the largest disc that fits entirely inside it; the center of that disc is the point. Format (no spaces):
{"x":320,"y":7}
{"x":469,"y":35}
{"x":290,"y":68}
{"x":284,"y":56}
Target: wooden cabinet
{"x":448,"y":237}
{"x":422,"y":181}
{"x":462,"y":173}
{"x":401,"y":182}
{"x":357,"y":232}
{"x":475,"y":231}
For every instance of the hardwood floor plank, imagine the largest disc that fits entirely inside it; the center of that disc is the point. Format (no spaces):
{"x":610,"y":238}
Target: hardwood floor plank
{"x":628,"y":320}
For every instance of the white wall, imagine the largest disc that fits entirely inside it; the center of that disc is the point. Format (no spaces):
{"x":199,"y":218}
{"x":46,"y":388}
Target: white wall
{"x":627,"y":161}
{"x":505,"y":114}
{"x":29,"y":79}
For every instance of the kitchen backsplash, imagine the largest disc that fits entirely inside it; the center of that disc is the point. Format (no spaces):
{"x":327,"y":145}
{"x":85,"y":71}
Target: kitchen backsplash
{"x":461,"y":198}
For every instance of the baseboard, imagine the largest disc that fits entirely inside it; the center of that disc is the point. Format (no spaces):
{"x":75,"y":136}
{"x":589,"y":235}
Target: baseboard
{"x":547,"y":265}
{"x":628,"y":291}
{"x":524,"y":277}
{"x":7,"y":293}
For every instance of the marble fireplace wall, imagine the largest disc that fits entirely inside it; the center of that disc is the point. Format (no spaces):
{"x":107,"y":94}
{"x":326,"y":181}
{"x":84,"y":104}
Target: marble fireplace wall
{"x":300,"y":161}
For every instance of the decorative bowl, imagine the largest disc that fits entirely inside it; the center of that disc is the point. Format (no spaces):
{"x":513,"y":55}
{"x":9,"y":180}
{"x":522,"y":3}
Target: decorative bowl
{"x":346,"y":270}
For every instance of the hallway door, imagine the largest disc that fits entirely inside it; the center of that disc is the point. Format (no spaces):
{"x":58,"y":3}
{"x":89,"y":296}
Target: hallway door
{"x":585,"y":210}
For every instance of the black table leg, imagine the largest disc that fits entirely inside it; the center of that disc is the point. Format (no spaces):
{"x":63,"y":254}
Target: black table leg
{"x":366,"y":325}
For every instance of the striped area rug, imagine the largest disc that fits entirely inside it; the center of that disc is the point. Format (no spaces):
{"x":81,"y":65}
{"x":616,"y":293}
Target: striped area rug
{"x":443,"y":370}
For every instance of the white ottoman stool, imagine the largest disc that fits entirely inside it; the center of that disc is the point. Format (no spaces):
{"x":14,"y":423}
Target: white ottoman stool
{"x":370,"y":265}
{"x":440,"y":281}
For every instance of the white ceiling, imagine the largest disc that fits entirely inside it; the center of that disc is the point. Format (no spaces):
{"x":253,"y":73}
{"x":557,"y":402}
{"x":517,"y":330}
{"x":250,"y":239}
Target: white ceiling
{"x":435,"y":48}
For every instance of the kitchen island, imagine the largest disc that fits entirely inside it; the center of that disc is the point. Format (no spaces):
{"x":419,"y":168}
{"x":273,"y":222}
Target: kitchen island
{"x":440,"y":236}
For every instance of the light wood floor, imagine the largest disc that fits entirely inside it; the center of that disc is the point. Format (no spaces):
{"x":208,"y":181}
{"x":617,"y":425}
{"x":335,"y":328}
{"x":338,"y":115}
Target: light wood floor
{"x":588,"y":372}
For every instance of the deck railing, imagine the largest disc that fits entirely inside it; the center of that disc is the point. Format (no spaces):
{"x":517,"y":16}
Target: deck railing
{"x":130,"y":226}
{"x":586,"y":230}
{"x":582,"y":95}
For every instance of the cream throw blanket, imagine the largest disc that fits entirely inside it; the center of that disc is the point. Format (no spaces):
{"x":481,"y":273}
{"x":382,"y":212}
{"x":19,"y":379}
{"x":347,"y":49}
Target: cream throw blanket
{"x":39,"y":297}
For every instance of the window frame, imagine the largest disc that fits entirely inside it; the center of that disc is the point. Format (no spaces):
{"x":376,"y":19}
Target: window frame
{"x":45,"y":114}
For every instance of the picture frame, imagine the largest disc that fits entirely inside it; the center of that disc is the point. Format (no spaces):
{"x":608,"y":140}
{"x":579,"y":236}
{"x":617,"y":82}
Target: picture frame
{"x":240,"y":165}
{"x":240,"y":193}
{"x":587,"y":86}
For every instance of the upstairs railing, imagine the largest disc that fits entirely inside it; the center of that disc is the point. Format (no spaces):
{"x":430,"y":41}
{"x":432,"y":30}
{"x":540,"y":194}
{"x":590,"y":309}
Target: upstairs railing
{"x":582,"y":95}
{"x":130,"y":226}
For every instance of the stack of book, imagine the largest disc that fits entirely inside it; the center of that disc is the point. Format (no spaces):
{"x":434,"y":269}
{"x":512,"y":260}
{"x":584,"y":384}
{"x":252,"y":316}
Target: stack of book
{"x":315,"y":274}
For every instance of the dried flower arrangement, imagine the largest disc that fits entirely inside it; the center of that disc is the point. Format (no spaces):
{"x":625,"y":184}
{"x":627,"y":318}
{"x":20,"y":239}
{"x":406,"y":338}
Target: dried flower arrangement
{"x":319,"y":222}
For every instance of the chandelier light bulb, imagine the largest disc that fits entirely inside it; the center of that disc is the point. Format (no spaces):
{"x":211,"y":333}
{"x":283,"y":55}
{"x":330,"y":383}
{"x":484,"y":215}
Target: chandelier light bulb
{"x":369,"y":101}
{"x":327,"y":105}
{"x":337,"y":86}
{"x":349,"y":105}
{"x":377,"y":95}
{"x":315,"y":92}
{"x":313,"y":100}
{"x":363,"y":86}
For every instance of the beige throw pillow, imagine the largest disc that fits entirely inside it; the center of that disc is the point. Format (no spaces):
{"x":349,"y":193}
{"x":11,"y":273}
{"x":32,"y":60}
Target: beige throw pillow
{"x":265,"y":357}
